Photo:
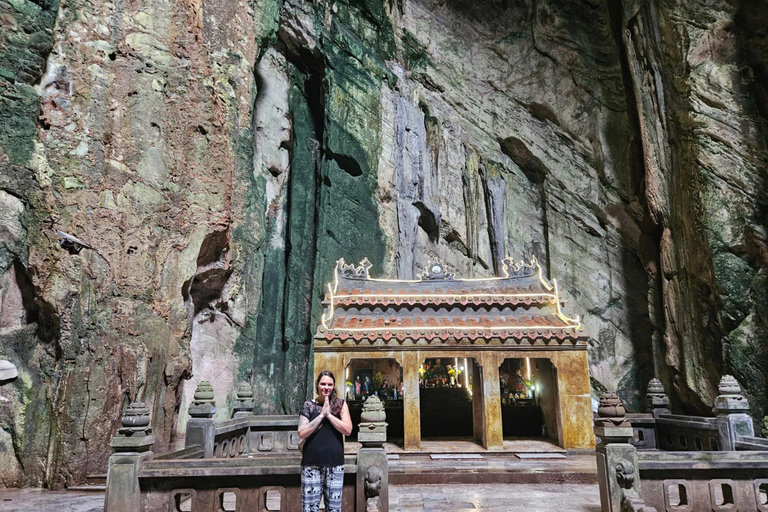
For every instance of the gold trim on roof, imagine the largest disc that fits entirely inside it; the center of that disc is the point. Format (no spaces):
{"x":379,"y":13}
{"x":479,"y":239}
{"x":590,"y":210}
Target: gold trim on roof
{"x":521,"y":269}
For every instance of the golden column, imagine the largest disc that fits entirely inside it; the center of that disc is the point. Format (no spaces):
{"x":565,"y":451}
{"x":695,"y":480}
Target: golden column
{"x":411,"y":401}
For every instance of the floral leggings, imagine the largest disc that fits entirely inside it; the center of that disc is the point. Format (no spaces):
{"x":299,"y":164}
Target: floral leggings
{"x":327,"y":481}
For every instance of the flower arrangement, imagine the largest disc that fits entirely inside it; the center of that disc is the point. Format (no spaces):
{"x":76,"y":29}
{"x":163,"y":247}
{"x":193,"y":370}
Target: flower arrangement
{"x":349,"y":383}
{"x":453,"y":372}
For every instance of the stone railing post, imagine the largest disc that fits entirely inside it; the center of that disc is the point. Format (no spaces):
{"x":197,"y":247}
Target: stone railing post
{"x":617,"y":469}
{"x":244,"y":404}
{"x":132,"y":445}
{"x":201,"y":426}
{"x":656,"y":399}
{"x":732,"y":410}
{"x":372,"y":489}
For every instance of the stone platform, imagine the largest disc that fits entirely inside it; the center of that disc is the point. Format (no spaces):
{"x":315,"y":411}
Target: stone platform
{"x":489,"y":481}
{"x":421,"y":469}
{"x":402,"y":498}
{"x":467,"y":445}
{"x":39,"y":500}
{"x":495,"y":498}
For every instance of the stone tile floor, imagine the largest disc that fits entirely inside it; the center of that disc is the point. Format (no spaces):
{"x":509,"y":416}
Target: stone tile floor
{"x":402,"y":498}
{"x":38,"y":500}
{"x":495,"y":498}
{"x":455,"y":497}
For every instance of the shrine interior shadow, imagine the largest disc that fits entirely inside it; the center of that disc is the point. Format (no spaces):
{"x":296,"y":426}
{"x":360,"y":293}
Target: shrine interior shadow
{"x":445,"y":398}
{"x":528,"y":390}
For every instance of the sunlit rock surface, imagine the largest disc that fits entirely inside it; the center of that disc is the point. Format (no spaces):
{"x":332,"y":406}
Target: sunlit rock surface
{"x":218,"y":157}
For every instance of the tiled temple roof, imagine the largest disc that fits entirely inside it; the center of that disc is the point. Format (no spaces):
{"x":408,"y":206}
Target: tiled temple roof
{"x":520,"y":305}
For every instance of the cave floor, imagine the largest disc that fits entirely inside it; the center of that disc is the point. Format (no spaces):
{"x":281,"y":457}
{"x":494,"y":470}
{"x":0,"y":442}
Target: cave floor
{"x":39,"y":500}
{"x":491,"y":482}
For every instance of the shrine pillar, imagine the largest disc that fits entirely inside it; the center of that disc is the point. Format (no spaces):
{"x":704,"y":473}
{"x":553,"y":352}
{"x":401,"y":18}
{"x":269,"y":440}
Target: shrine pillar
{"x":574,"y":400}
{"x":411,"y":401}
{"x":493,"y":438}
{"x":478,"y":413}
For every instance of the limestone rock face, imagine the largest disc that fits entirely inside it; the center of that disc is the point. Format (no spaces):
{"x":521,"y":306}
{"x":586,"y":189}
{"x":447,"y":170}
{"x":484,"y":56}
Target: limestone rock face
{"x":219,"y":157}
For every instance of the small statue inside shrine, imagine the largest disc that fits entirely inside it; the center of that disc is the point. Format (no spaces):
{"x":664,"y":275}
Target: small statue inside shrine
{"x":520,"y":382}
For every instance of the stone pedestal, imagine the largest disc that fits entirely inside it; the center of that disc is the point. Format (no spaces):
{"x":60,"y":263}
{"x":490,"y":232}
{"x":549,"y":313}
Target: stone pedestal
{"x":201,"y":426}
{"x":132,"y":446}
{"x":372,"y":470}
{"x":617,"y":468}
{"x":732,"y":410}
{"x":372,"y":480}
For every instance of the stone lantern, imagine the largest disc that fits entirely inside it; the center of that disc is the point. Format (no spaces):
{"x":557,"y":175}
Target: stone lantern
{"x":732,"y":410}
{"x":201,"y":427}
{"x":244,"y":404}
{"x":730,"y":400}
{"x":373,"y":425}
{"x":203,"y":405}
{"x":656,"y":399}
{"x":134,"y":434}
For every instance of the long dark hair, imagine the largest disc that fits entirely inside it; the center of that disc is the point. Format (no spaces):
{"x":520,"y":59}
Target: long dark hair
{"x":336,"y":402}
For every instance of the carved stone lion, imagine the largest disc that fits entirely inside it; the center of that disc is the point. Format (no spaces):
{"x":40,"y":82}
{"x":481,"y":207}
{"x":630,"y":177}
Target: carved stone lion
{"x":372,"y":488}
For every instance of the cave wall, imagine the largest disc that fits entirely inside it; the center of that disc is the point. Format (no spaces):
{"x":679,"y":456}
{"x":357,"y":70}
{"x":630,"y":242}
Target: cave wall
{"x":219,"y":156}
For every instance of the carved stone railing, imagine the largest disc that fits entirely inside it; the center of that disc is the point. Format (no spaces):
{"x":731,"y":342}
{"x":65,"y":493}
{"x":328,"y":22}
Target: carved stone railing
{"x":241,"y":436}
{"x":675,"y":463}
{"x":246,"y":463}
{"x":724,"y":481}
{"x":730,"y":430}
{"x":257,"y":483}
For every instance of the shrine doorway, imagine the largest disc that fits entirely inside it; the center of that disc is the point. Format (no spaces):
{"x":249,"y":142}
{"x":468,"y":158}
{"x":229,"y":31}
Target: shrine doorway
{"x":529,"y":401}
{"x":445,"y":399}
{"x":381,"y":377}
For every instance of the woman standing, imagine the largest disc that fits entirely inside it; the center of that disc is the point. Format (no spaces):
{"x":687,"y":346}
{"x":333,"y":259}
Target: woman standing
{"x":322,"y":423}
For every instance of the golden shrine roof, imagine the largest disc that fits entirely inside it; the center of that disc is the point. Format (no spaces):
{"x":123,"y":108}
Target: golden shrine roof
{"x":520,"y":304}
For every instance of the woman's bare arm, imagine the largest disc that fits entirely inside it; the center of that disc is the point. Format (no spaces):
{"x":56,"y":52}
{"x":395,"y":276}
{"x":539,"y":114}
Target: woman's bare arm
{"x":306,"y":427}
{"x":343,"y":424}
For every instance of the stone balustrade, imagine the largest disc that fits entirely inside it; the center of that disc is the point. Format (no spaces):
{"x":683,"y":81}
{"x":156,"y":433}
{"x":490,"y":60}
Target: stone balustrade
{"x":248,"y":462}
{"x":660,"y":461}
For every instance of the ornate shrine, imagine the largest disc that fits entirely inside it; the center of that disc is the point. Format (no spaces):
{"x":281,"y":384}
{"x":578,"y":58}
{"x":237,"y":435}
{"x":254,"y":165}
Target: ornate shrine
{"x":488,"y":320}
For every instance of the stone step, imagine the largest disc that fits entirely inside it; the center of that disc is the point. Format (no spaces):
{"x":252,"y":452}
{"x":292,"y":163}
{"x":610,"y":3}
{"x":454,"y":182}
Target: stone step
{"x":96,"y":479}
{"x":88,"y":488}
{"x":422,"y":469}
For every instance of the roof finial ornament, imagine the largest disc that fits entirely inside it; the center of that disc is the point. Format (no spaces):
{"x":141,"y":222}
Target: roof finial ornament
{"x":361,"y":271}
{"x":522,"y":269}
{"x":436,"y":271}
